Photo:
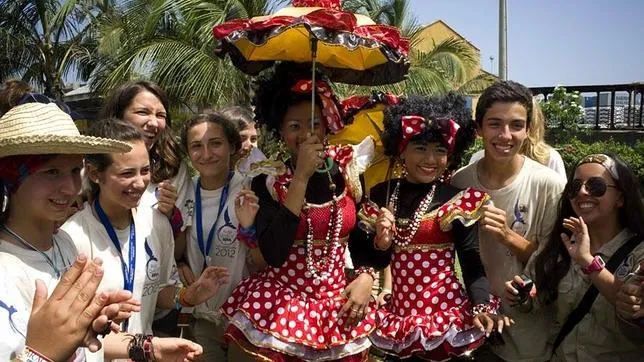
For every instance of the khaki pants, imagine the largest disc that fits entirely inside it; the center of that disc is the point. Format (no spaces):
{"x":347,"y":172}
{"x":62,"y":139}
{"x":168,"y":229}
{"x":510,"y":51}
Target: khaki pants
{"x":211,"y":337}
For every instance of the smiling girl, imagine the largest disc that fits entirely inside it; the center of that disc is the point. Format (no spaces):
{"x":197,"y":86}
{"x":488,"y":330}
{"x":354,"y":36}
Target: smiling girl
{"x":132,"y":240}
{"x":597,"y":244}
{"x":420,"y":229}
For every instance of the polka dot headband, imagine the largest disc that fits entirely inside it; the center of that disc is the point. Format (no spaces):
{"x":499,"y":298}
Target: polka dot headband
{"x":414,"y":125}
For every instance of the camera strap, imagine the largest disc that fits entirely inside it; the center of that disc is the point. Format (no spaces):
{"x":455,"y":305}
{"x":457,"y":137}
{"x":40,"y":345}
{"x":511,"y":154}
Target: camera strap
{"x":591,"y":294}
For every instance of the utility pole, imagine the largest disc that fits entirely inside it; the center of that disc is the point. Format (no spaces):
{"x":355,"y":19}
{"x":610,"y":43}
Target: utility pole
{"x":503,"y":40}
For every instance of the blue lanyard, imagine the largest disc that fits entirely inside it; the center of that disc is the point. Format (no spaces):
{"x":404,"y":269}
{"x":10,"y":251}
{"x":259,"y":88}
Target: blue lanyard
{"x":128,"y":272}
{"x":205,"y":248}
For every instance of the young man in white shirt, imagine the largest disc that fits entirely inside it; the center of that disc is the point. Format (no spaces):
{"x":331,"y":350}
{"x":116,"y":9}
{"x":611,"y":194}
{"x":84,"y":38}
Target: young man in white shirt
{"x":525,"y":195}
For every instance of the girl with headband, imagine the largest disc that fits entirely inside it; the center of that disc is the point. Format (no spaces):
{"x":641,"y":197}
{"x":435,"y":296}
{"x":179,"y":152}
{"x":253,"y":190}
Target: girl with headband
{"x":596,"y":246}
{"x":420,"y":227}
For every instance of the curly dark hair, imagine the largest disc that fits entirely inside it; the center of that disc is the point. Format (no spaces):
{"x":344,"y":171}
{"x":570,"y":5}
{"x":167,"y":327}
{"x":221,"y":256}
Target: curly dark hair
{"x":273,"y":95}
{"x":553,"y":262}
{"x":450,"y":106}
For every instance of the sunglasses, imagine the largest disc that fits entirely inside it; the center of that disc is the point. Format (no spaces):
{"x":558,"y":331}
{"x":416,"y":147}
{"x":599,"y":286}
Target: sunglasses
{"x":595,"y":186}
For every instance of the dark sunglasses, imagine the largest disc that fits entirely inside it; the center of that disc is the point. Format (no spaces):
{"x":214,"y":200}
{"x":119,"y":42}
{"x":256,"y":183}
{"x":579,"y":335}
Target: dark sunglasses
{"x":595,"y":186}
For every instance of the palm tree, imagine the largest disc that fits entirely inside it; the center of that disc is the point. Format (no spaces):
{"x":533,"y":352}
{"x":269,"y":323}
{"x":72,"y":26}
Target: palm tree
{"x":44,"y":41}
{"x":448,"y":65}
{"x":171,"y":43}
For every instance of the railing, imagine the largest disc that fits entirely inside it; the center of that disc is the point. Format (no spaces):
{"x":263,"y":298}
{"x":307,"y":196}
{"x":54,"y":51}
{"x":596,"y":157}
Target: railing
{"x":631,"y":115}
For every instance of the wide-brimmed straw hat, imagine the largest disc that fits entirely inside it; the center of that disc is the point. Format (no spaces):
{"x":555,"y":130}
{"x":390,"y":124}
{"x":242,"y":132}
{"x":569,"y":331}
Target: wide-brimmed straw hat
{"x":37,"y":128}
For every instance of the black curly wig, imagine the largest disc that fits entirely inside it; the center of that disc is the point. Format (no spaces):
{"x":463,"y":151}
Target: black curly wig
{"x":450,"y":106}
{"x":273,"y":95}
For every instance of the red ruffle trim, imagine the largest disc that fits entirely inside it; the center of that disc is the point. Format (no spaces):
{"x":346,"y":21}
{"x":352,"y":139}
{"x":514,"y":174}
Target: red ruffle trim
{"x":326,"y":18}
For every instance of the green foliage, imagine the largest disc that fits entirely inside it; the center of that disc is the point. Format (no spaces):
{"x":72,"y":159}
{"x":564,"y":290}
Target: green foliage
{"x":43,"y":41}
{"x":478,"y":145}
{"x":572,"y":151}
{"x":271,"y":145}
{"x":563,"y":109}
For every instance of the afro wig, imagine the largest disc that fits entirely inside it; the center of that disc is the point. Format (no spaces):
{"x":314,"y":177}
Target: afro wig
{"x":273,"y":94}
{"x":450,"y":106}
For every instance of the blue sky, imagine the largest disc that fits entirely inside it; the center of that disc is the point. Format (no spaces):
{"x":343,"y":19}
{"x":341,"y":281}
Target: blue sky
{"x":568,"y":42}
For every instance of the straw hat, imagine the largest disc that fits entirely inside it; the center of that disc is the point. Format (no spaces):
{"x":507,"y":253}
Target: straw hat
{"x":37,"y":128}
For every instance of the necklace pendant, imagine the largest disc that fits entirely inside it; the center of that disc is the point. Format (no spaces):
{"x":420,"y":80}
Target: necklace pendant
{"x":402,"y":223}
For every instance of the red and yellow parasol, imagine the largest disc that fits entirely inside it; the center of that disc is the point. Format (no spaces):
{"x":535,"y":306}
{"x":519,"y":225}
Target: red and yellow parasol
{"x":349,"y":48}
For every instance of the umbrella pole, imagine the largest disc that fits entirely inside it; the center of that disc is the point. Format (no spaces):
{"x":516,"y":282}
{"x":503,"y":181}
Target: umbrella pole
{"x":314,"y":54}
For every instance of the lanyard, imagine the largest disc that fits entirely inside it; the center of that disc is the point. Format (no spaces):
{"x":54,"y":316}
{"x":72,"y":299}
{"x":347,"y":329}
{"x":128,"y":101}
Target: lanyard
{"x":52,"y":263}
{"x":128,"y":272}
{"x":205,"y":247}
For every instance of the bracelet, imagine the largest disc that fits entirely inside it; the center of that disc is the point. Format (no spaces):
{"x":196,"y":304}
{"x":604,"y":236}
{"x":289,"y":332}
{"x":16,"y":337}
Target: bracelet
{"x":182,"y":298}
{"x":176,"y":220}
{"x":483,"y":308}
{"x":29,"y":354}
{"x":148,"y":348}
{"x":248,"y":236}
{"x":385,"y":290}
{"x":177,"y":298}
{"x":368,"y":270}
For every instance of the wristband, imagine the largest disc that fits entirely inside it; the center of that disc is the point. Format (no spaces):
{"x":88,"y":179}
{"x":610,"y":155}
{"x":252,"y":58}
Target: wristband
{"x":176,"y":220}
{"x":29,"y":354}
{"x":182,"y":298}
{"x":248,"y":236}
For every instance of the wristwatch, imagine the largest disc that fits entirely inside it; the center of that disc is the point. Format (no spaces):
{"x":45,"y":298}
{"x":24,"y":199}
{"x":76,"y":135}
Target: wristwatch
{"x":595,"y":266}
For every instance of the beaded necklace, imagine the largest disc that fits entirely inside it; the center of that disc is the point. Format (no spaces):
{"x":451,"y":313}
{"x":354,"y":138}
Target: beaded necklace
{"x":405,"y":231}
{"x":321,"y":269}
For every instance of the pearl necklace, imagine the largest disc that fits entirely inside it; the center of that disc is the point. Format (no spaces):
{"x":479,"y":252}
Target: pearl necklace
{"x":404,"y":234}
{"x":323,"y":268}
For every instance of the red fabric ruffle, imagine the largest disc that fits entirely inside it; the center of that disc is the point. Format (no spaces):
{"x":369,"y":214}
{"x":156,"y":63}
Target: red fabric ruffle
{"x":329,"y":19}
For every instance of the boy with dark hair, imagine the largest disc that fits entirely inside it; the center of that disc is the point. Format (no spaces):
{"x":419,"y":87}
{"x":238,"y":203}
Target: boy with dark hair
{"x":525,"y":195}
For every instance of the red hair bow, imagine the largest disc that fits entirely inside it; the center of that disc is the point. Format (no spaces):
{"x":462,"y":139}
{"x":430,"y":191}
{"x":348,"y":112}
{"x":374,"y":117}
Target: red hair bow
{"x":330,"y":111}
{"x":414,"y":125}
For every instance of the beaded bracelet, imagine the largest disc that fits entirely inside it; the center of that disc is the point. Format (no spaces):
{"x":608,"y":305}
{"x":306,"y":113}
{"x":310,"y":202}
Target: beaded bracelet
{"x":248,"y":236}
{"x":176,"y":220}
{"x":483,"y":308}
{"x":141,"y":348}
{"x":368,"y":270}
{"x":29,"y":354}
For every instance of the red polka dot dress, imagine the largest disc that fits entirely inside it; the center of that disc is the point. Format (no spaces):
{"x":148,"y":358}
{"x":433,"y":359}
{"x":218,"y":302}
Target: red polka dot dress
{"x":429,"y":314}
{"x":290,"y":312}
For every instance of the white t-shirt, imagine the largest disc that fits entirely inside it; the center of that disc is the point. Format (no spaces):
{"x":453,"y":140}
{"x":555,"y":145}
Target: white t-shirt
{"x":185,"y":194}
{"x":530,"y":203}
{"x":19,"y":269}
{"x":226,"y":250}
{"x":555,"y":162}
{"x":154,"y":257}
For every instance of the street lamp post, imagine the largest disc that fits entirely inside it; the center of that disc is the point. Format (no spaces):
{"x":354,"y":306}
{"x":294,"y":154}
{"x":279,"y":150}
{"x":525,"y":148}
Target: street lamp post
{"x":503,"y":40}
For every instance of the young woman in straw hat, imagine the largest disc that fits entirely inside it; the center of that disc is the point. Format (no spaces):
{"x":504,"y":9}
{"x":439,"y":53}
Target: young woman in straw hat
{"x":40,"y":162}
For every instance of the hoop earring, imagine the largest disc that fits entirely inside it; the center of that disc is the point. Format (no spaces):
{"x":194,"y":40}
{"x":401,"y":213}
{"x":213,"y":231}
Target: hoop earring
{"x":5,"y":198}
{"x":445,"y":177}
